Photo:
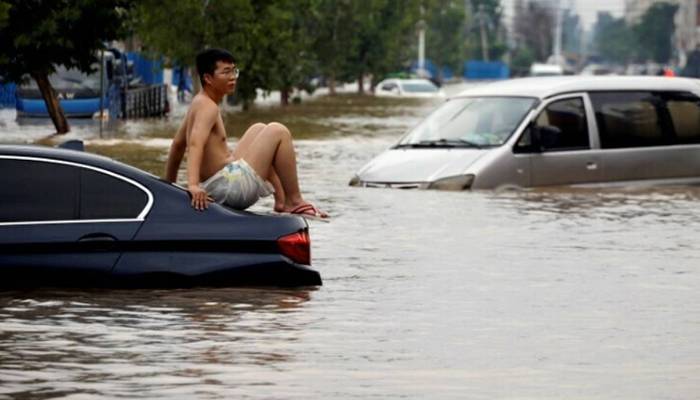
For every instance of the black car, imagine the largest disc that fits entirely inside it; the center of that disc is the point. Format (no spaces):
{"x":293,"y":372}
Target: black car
{"x":69,"y":218}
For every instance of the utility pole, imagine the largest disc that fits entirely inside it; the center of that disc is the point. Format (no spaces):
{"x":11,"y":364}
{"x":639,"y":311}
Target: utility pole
{"x":482,"y":28}
{"x":102,"y":89}
{"x":421,"y":45}
{"x":557,"y":33}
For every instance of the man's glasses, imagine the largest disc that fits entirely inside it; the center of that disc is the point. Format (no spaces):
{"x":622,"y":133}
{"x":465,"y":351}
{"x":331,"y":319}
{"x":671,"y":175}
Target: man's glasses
{"x":234,"y":72}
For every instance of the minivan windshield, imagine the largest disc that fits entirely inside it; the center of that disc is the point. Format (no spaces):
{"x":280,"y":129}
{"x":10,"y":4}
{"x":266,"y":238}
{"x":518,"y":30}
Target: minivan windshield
{"x":470,"y":122}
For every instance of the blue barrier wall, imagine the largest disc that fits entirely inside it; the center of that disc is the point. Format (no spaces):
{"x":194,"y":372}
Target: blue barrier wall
{"x":486,"y":70}
{"x":83,"y":108}
{"x":182,"y":79}
{"x":447,"y":73}
{"x":433,"y":70}
{"x":150,"y":71}
{"x":7,"y":95}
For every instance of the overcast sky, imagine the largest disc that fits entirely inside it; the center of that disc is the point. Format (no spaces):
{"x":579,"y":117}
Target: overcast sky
{"x":586,"y":9}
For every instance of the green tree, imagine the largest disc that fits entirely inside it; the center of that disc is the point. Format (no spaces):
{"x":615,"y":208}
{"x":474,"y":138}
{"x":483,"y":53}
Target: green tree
{"x":613,"y":39}
{"x":655,"y":31}
{"x":354,"y":39}
{"x":36,"y":36}
{"x":283,"y":47}
{"x":485,"y":16}
{"x":268,"y":38}
{"x":523,"y":57}
{"x":446,"y":35}
{"x":4,"y":11}
{"x":386,"y":37}
{"x":535,"y":36}
{"x":332,"y":26}
{"x":181,"y":29}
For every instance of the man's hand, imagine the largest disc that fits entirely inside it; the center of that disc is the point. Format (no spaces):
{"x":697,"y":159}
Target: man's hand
{"x":200,"y":199}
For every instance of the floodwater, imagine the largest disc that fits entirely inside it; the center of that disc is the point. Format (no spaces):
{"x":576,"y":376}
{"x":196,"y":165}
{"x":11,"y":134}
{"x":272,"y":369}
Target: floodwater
{"x":542,"y":294}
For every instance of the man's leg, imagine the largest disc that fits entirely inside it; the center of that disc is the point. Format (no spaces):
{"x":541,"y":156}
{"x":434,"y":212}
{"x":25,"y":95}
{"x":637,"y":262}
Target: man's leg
{"x":280,"y":198}
{"x":271,"y":151}
{"x":242,"y":147}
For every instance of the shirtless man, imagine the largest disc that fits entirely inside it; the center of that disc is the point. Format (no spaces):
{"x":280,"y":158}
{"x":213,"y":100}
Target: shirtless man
{"x":262,"y":163}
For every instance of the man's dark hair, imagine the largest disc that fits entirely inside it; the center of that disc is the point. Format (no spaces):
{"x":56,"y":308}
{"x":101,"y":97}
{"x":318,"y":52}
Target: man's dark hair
{"x":206,"y":61}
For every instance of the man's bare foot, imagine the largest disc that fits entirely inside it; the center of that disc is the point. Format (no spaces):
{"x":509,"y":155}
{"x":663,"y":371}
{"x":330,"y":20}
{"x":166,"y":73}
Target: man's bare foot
{"x":306,"y":209}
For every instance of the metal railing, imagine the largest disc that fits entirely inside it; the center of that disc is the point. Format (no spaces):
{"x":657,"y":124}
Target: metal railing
{"x":151,"y":101}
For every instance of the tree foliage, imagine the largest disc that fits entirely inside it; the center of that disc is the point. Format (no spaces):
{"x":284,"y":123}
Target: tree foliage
{"x":614,"y":40}
{"x":280,"y":44}
{"x":650,"y":39}
{"x":655,"y":31}
{"x":386,"y":37}
{"x":536,"y":37}
{"x":486,"y":13}
{"x":36,"y":36}
{"x":446,"y":34}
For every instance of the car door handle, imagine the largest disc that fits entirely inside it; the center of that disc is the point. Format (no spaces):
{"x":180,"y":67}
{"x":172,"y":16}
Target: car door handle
{"x":97,"y":237}
{"x":591,"y":166}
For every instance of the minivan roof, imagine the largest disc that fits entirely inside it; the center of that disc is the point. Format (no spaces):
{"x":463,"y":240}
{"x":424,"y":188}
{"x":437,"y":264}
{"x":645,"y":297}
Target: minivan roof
{"x":544,"y":87}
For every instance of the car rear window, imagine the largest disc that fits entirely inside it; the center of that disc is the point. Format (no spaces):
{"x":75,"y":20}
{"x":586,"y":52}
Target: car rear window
{"x":37,"y":191}
{"x":105,"y":197}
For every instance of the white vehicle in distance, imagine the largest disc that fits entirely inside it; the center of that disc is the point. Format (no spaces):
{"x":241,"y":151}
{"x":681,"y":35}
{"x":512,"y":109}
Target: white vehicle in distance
{"x":540,"y":69}
{"x":569,"y":130}
{"x":412,"y":88}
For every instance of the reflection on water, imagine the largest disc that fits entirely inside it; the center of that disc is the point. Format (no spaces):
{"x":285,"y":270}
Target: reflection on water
{"x":544,"y":294}
{"x":137,"y":343}
{"x":613,"y":203}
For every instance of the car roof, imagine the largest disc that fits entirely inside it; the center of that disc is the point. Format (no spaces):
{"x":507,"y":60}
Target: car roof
{"x":75,"y":156}
{"x":544,"y":87}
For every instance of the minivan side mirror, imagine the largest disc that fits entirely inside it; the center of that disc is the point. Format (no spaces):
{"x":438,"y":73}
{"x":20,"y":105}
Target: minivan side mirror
{"x":544,"y":137}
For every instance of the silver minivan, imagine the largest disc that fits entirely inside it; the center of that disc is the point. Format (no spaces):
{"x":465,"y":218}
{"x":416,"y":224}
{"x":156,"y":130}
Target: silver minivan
{"x":570,"y":130}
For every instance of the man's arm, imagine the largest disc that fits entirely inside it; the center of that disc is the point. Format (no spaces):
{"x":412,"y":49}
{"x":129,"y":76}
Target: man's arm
{"x":177,"y":151}
{"x":204,"y":119}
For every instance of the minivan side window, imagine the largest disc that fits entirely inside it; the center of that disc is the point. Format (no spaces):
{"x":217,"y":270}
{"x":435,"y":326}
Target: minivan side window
{"x":684,"y":109}
{"x":37,"y":191}
{"x":568,"y":117}
{"x":631,"y":119}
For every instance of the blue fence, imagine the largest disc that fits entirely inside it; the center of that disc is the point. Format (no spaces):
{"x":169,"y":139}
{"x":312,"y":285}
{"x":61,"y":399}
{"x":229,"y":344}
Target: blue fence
{"x":150,"y":71}
{"x":7,"y":95}
{"x":486,"y":70}
{"x":445,"y":73}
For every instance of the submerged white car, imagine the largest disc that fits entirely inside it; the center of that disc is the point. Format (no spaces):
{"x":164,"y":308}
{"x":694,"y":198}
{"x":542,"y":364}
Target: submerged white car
{"x":415,"y":88}
{"x":550,"y":131}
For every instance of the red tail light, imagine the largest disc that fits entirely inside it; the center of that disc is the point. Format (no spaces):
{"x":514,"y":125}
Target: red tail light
{"x":296,"y":246}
